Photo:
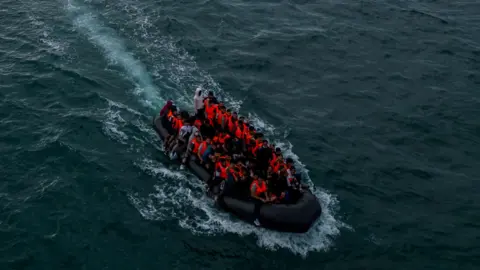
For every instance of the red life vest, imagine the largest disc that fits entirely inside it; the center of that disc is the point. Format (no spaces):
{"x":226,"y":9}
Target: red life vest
{"x":197,"y":123}
{"x":222,"y":138}
{"x":204,"y":148}
{"x":196,"y":145}
{"x":223,"y":170}
{"x":232,"y":124}
{"x":179,"y":124}
{"x":239,"y":133}
{"x":261,"y":188}
{"x":278,"y":165}
{"x":211,"y":111}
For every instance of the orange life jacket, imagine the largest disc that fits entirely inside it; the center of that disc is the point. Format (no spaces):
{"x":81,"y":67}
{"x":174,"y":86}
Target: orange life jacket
{"x":223,"y":170}
{"x":277,"y":166}
{"x":204,"y":147}
{"x":211,"y":111}
{"x":239,"y":134}
{"x":197,"y":123}
{"x":261,"y":188}
{"x":196,"y":145}
{"x":222,"y":138}
{"x":179,"y":124}
{"x":248,"y":137}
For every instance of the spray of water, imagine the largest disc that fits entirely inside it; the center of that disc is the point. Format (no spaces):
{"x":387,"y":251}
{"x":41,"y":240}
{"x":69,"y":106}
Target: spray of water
{"x":115,"y":50}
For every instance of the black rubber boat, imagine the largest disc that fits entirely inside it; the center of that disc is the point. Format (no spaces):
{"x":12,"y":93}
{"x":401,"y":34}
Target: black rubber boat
{"x":297,"y":217}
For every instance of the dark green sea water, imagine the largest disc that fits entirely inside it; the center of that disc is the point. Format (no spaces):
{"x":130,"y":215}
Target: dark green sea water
{"x":379,"y":100}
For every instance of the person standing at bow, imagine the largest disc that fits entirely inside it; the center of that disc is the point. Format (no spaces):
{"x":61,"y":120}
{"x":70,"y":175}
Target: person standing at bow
{"x":198,"y":104}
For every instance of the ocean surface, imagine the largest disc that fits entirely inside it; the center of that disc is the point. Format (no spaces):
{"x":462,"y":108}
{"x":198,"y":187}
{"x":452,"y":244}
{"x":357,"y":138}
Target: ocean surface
{"x":377,"y":101}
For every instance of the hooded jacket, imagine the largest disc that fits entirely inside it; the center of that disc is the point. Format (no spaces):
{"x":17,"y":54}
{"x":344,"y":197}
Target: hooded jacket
{"x":198,"y":99}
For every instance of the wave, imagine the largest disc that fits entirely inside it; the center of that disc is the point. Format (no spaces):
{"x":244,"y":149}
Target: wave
{"x":115,"y":50}
{"x":178,"y":193}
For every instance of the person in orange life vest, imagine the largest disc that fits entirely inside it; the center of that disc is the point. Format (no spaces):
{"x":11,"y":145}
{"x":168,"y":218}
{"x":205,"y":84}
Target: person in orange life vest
{"x":278,"y":152}
{"x":222,"y":137}
{"x":204,"y":149}
{"x":175,"y":120}
{"x":239,"y":131}
{"x":228,"y":116}
{"x":247,"y":133}
{"x":183,"y":135}
{"x":211,"y":110}
{"x":251,"y":149}
{"x":196,"y":142}
{"x":220,"y":173}
{"x":258,"y":189}
{"x":198,"y":123}
{"x":279,"y":164}
{"x":232,"y":123}
{"x":170,"y":120}
{"x":221,"y":117}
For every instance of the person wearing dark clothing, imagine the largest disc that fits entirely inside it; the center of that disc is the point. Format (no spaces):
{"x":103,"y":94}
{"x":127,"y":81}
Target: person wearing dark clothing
{"x":207,"y":130}
{"x":212,"y":98}
{"x":264,"y":155}
{"x":166,"y":108}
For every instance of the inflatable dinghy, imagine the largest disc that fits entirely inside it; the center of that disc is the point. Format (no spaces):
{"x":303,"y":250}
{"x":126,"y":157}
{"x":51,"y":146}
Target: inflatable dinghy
{"x":297,"y":217}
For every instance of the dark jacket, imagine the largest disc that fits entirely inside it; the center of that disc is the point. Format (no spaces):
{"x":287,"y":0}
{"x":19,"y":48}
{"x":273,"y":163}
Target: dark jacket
{"x":207,"y":131}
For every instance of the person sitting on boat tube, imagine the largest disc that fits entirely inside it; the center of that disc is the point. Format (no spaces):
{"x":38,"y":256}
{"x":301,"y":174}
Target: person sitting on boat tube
{"x":221,"y":169}
{"x":182,"y":138}
{"x":258,"y":189}
{"x":174,"y":118}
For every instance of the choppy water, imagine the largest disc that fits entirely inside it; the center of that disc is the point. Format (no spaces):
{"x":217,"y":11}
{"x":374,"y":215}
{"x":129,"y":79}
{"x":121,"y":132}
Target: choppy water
{"x":378,"y":100}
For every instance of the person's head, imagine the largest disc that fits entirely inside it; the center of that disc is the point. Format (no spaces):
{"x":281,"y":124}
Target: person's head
{"x":235,"y":115}
{"x":197,"y":136}
{"x":210,"y":94}
{"x":206,"y":122}
{"x":278,"y":151}
{"x":255,"y":176}
{"x":198,"y":91}
{"x":289,"y":161}
{"x":208,"y":140}
{"x":241,"y":118}
{"x":280,"y":157}
{"x":240,"y":125}
{"x":251,"y":128}
{"x":223,"y":161}
{"x":265,"y":143}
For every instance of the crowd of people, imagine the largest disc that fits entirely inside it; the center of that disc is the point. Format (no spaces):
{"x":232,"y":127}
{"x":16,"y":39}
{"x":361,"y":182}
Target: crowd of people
{"x":231,"y":150}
